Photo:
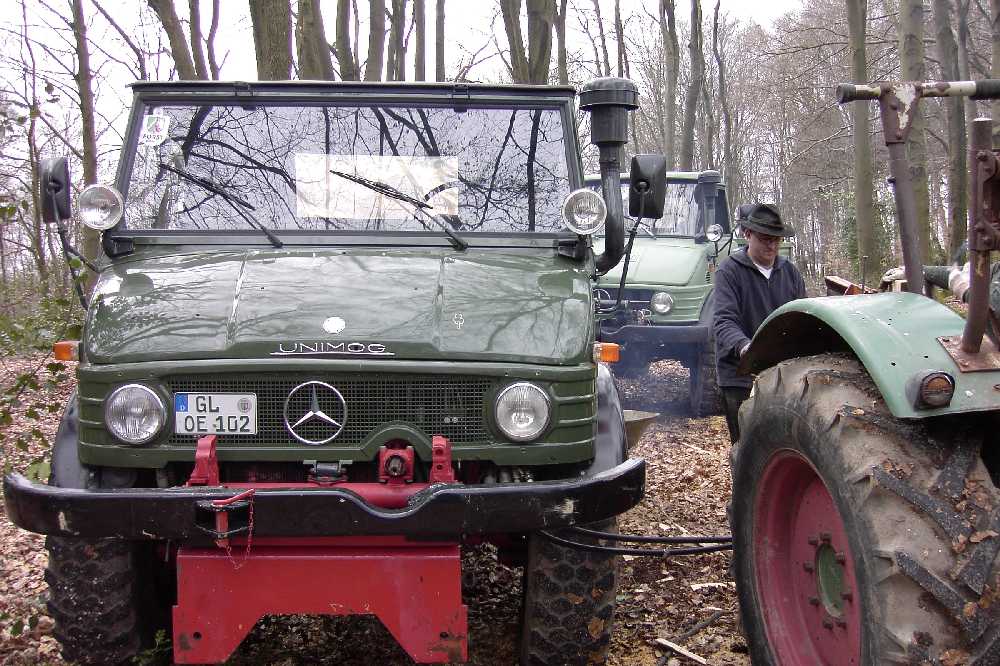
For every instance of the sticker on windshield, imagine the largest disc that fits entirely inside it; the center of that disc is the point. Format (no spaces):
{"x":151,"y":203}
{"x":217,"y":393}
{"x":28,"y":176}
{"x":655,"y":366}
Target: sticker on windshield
{"x":385,"y":187}
{"x":154,"y":130}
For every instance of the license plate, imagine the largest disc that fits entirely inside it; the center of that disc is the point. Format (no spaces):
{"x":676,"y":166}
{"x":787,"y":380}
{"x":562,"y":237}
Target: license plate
{"x":215,"y":413}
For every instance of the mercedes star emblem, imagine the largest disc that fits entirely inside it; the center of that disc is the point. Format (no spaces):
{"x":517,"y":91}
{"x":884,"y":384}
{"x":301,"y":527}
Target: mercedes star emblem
{"x":315,"y":413}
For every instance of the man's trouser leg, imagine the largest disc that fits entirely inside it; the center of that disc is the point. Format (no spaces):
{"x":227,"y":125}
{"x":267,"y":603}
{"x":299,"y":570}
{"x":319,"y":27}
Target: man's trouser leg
{"x":733,"y":397}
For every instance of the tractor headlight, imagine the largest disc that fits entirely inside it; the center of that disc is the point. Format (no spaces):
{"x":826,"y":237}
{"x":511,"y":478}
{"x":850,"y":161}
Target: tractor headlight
{"x":134,"y":413}
{"x":100,"y":206}
{"x":661,"y":303}
{"x":522,"y":411}
{"x":714,"y":233}
{"x":584,"y":211}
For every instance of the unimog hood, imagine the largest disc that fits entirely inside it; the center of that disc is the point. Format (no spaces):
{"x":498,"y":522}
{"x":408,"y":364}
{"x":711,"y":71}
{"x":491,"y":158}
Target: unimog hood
{"x":363,"y":304}
{"x":663,"y":261}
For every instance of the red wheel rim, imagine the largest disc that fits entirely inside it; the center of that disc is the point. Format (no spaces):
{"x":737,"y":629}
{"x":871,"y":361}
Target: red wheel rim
{"x":804,"y":568}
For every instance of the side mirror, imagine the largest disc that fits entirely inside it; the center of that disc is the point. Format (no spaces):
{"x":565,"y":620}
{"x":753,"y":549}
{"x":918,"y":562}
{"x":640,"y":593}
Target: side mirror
{"x":648,"y":189}
{"x":53,"y":181}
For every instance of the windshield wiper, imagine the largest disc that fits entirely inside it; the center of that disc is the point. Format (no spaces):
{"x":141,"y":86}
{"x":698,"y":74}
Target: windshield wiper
{"x":390,"y":191}
{"x":229,"y":198}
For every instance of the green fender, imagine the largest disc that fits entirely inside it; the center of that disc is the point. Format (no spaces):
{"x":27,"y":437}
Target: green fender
{"x":895,"y":336}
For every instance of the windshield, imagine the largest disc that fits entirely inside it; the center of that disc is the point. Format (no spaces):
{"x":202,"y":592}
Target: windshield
{"x":680,"y":209}
{"x":344,"y":168}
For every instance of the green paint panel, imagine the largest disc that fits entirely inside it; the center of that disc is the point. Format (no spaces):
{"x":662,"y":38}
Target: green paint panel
{"x":489,"y":305}
{"x":661,"y":262}
{"x":895,"y":336}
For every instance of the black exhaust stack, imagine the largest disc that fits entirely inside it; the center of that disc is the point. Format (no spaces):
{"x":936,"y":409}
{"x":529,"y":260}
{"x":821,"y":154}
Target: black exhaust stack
{"x":608,"y":100}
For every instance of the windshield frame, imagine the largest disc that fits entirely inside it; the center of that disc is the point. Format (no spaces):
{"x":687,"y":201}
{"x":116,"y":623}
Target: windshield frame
{"x":291,"y":93}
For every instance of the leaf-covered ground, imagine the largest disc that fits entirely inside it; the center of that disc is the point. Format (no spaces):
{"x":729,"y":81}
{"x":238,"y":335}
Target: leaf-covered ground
{"x":687,"y":489}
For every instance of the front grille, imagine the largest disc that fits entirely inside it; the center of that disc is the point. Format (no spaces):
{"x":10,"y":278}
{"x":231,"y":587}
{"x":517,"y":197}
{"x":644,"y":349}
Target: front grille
{"x":453,"y":406}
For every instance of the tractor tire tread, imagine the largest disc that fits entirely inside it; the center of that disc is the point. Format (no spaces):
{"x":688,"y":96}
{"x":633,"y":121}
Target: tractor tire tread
{"x":936,"y":572}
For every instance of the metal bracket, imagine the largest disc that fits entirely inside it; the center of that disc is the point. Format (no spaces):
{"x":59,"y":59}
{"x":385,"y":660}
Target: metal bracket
{"x":986,"y":359}
{"x":460,"y":97}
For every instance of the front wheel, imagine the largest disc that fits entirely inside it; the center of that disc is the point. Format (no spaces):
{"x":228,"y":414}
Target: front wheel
{"x":569,"y":603}
{"x":860,"y":538}
{"x":703,"y":386}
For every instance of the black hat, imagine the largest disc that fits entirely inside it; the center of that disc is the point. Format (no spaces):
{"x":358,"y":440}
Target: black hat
{"x":764,"y":219}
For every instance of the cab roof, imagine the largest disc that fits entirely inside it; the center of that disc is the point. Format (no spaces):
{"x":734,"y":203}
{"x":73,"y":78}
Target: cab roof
{"x":375,"y":88}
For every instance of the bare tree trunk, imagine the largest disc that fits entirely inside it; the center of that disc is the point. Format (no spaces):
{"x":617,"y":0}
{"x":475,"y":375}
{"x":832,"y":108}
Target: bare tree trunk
{"x":541,"y":17}
{"x":511,"y":12}
{"x":727,"y":118}
{"x":671,"y":50}
{"x":376,"y":40}
{"x":213,"y":29}
{"x":620,"y":37}
{"x":963,"y":59}
{"x":167,"y":14}
{"x":396,"y":54}
{"x":84,"y":82}
{"x":911,"y":57}
{"x":694,"y":89}
{"x":420,"y":47}
{"x":272,"y":38}
{"x":439,"y":73}
{"x":345,"y":57}
{"x":958,"y":185}
{"x":561,"y":49}
{"x":604,"y":41}
{"x":864,"y":168}
{"x":315,"y":62}
{"x":197,"y":48}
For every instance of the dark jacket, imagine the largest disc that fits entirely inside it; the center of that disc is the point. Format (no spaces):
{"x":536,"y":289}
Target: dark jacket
{"x":743,"y":300}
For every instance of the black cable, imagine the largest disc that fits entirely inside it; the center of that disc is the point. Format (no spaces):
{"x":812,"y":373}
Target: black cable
{"x":669,"y":552}
{"x":642,"y":538}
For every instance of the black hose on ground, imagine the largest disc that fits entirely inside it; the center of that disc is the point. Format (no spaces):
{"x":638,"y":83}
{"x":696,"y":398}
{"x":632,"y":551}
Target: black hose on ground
{"x":643,"y":552}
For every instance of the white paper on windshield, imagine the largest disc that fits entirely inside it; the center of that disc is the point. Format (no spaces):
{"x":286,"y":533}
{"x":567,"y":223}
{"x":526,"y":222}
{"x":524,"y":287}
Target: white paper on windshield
{"x":320,"y":193}
{"x":154,"y":130}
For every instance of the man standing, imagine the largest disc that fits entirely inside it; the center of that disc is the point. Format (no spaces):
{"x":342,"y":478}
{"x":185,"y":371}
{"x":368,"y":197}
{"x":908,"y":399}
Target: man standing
{"x":749,"y":285}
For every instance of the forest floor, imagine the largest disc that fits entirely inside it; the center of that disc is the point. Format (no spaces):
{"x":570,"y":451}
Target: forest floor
{"x":688,"y":485}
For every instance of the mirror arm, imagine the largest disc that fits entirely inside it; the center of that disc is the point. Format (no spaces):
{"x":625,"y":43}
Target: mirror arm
{"x":642,"y":187}
{"x":70,"y":251}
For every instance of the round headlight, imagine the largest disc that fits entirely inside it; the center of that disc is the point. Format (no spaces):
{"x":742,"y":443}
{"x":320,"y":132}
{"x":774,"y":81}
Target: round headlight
{"x":522,"y":411}
{"x":661,"y":303}
{"x":714,"y":232}
{"x":134,"y":414}
{"x":584,"y":212}
{"x":100,"y":207}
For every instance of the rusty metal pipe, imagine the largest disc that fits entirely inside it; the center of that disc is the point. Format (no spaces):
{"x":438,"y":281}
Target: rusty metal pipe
{"x":980,"y":146}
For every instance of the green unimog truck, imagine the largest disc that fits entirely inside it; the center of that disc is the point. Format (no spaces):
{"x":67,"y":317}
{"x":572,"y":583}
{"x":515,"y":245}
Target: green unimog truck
{"x":339,"y":331}
{"x":666,"y":310}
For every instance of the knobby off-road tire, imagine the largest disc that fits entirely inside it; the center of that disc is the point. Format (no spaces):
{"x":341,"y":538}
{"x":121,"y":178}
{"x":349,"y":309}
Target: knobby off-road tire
{"x":569,"y":603}
{"x":860,"y":538}
{"x":107,"y":596}
{"x":93,"y":598}
{"x":703,"y":387}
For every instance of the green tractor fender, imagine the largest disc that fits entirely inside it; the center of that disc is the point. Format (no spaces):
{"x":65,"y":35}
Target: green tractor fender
{"x":895,"y":335}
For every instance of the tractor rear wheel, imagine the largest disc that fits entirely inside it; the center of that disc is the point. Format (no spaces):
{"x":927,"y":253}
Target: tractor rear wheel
{"x":569,"y":603}
{"x":860,"y":538}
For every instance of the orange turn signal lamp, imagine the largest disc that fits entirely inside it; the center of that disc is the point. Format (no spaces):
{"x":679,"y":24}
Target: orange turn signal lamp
{"x":66,"y":350}
{"x":606,"y":352}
